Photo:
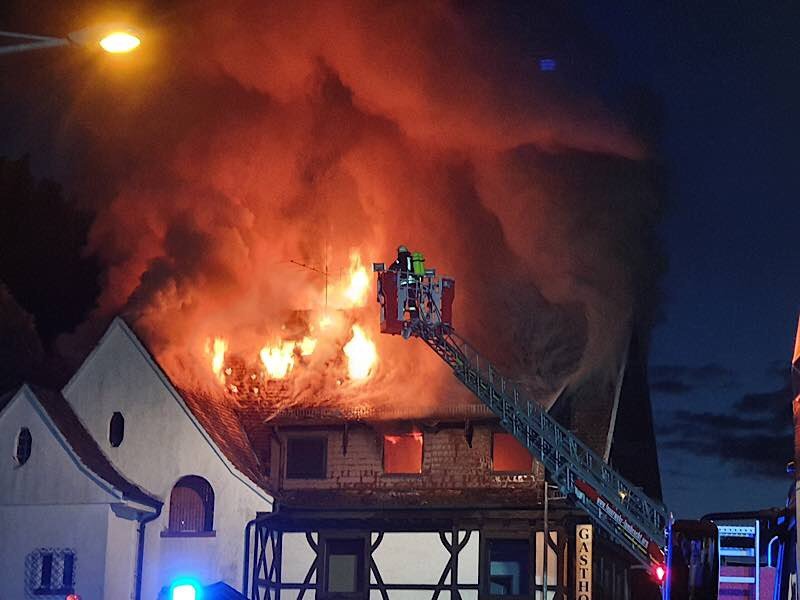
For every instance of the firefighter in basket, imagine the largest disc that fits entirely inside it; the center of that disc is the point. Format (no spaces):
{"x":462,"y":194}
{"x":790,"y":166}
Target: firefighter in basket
{"x":411,"y":268}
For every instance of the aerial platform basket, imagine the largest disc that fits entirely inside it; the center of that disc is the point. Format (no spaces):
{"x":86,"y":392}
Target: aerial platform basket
{"x":408,"y":299}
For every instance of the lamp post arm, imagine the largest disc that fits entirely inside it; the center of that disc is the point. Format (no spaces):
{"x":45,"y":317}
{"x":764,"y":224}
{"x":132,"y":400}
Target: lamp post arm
{"x":33,"y":42}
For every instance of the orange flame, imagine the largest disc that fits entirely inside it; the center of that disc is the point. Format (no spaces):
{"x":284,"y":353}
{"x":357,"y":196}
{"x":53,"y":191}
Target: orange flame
{"x":278,"y":360}
{"x":358,"y":285}
{"x":394,"y":439}
{"x":217,"y":351}
{"x":307,"y":346}
{"x":361,"y":354}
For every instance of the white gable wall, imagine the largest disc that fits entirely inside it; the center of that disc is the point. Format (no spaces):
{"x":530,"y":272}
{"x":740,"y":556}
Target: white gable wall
{"x":162,"y":443}
{"x":51,"y":475}
{"x":49,"y":502}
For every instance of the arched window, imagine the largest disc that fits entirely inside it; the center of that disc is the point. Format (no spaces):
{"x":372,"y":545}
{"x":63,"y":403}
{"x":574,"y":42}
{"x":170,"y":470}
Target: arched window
{"x":116,"y":429}
{"x":24,"y":443}
{"x":191,"y":505}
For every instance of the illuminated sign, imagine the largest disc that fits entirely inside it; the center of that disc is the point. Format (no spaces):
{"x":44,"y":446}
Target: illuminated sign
{"x":583,"y":562}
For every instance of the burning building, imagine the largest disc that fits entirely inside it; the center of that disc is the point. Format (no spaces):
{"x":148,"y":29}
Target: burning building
{"x":281,"y":470}
{"x":236,"y":249}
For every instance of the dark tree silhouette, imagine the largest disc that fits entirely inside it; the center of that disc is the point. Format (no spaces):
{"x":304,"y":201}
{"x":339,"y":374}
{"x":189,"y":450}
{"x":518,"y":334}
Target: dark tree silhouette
{"x":42,"y":261}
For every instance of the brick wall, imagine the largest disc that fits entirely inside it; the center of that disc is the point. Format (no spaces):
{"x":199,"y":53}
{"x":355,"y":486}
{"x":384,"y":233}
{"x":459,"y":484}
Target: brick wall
{"x":448,"y":463}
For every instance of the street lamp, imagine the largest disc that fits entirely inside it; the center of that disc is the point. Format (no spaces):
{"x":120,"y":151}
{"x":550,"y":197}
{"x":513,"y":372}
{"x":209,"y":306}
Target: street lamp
{"x":119,"y":42}
{"x":111,"y":38}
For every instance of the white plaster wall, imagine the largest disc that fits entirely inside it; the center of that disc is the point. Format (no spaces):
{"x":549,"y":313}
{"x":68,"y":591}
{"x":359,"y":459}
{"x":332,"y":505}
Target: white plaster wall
{"x":121,"y":540}
{"x":27,"y":528}
{"x":469,"y":560}
{"x":51,"y":475}
{"x":191,"y":557}
{"x":411,"y":558}
{"x":162,"y":444}
{"x":297,"y":558}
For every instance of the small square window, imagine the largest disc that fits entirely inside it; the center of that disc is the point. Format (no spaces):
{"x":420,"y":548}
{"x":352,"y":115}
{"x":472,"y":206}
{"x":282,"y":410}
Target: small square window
{"x":50,"y":572}
{"x":306,"y":458}
{"x":510,"y":456}
{"x":402,"y":454}
{"x":344,"y":566}
{"x":508,"y":567}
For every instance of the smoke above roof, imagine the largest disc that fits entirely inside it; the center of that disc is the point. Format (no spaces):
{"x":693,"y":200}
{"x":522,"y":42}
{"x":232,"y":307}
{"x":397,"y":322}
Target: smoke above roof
{"x":256,"y":133}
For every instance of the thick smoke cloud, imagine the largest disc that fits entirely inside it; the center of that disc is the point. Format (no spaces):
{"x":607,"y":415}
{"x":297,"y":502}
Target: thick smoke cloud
{"x":259,"y":133}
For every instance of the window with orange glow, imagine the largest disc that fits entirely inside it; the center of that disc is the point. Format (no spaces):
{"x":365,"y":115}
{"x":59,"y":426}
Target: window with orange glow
{"x":402,"y":453}
{"x":509,"y":456}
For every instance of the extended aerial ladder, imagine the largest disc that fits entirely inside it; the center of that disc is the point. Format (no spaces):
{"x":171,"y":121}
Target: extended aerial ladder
{"x":420,"y":305}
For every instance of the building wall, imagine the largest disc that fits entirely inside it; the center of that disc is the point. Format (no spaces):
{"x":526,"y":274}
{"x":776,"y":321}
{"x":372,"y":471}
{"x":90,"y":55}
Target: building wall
{"x":50,"y":476}
{"x":161,"y":444}
{"x":52,"y":502}
{"x":121,"y":541}
{"x":80,"y":527}
{"x":448,"y":463}
{"x":418,"y":558}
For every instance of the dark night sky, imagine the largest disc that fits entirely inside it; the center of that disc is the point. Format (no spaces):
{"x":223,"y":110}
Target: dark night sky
{"x":726,"y":74}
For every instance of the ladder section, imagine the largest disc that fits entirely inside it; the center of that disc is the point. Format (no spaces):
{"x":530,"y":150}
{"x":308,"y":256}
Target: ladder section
{"x":741,"y":574}
{"x":631,"y":519}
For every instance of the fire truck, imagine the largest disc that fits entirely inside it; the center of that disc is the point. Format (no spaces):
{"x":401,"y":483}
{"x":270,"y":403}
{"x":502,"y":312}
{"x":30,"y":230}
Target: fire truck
{"x":752,"y":555}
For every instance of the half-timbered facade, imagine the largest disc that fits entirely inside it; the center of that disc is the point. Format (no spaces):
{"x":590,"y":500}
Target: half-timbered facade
{"x":384,"y":506}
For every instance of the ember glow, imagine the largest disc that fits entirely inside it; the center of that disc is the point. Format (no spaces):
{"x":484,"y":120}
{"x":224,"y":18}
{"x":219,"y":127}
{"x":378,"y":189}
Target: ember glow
{"x":278,"y":360}
{"x":287,"y":355}
{"x":217,"y":351}
{"x":358,"y":286}
{"x":307,"y":346}
{"x":395,"y":439}
{"x":361,"y":353}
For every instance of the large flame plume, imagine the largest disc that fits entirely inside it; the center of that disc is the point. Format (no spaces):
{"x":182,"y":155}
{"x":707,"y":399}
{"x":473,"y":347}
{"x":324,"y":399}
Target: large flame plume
{"x":262,"y":135}
{"x":279,"y":357}
{"x":361,"y":354}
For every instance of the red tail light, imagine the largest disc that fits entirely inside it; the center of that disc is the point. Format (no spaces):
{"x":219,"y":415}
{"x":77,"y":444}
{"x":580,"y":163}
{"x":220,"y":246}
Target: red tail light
{"x":659,"y":573}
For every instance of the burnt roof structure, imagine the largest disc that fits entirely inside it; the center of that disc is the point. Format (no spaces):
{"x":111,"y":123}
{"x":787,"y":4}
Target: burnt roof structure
{"x":242,"y":426}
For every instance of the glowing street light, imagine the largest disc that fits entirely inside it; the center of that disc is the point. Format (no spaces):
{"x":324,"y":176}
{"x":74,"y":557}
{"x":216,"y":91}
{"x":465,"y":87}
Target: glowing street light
{"x":119,"y":42}
{"x":111,"y":38}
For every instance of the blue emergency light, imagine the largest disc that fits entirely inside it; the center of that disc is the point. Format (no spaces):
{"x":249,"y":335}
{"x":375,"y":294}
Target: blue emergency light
{"x":185,"y":589}
{"x":548,"y":64}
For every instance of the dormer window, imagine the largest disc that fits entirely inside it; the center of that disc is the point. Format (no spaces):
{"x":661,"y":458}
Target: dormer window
{"x":306,"y":457}
{"x":116,"y":429}
{"x":402,"y":454}
{"x":510,"y":456}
